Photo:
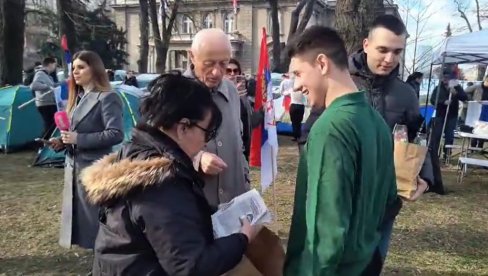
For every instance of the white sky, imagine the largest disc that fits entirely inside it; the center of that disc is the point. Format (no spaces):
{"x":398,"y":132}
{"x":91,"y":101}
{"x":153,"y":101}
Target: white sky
{"x":439,"y":14}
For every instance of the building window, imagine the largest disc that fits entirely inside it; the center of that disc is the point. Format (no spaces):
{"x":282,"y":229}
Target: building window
{"x":270,"y":23}
{"x":186,"y":25}
{"x":208,"y":21}
{"x":181,"y":59}
{"x":229,"y":22}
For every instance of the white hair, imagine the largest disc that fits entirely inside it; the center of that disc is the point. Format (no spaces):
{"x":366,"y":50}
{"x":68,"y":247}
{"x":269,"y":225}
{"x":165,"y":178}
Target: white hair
{"x":207,"y":36}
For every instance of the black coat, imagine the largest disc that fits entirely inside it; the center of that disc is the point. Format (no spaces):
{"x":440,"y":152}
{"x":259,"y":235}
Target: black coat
{"x":441,"y":107}
{"x":155,"y":219}
{"x":394,"y":100}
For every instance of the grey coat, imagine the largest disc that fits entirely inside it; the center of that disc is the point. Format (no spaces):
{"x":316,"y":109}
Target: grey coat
{"x":228,"y":145}
{"x":42,"y":84}
{"x":98,"y":122}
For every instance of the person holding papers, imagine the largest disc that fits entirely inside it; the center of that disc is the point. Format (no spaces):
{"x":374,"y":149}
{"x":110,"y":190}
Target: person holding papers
{"x":346,"y":176}
{"x":155,"y":219}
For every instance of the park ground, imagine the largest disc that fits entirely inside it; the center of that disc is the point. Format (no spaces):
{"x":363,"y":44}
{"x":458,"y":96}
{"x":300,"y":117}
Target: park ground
{"x":438,"y":235}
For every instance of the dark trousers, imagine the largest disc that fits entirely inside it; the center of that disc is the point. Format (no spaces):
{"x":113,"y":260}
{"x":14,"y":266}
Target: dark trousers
{"x":375,"y":265}
{"x":47,"y":114}
{"x":477,"y":143}
{"x":296,"y":116}
{"x":437,"y":133}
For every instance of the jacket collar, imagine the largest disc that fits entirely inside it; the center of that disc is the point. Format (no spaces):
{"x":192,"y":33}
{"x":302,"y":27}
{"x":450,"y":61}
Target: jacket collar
{"x":222,"y":89}
{"x":358,"y":66}
{"x":348,"y":99}
{"x":147,"y":160}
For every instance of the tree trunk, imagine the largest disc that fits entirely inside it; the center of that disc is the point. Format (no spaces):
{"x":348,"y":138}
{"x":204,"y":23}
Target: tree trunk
{"x":66,"y":24}
{"x":296,"y":22}
{"x":12,"y":13}
{"x":160,"y":59}
{"x":276,"y":67}
{"x":306,"y":16}
{"x":353,"y":18}
{"x":144,"y":38}
{"x":295,"y":18}
{"x":2,"y":41}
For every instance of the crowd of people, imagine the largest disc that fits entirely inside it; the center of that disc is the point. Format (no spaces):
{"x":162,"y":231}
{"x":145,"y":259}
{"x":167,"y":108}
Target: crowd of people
{"x":146,"y":209}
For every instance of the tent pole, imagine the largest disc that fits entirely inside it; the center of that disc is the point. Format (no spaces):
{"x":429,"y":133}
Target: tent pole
{"x":437,"y":101}
{"x":428,"y":91}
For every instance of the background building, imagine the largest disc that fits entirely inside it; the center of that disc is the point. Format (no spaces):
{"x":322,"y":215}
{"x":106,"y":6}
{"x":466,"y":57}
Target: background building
{"x":243,"y":27}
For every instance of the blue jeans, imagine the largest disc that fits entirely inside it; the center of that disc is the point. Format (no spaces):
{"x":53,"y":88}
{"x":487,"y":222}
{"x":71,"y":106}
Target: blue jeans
{"x":385,"y":238}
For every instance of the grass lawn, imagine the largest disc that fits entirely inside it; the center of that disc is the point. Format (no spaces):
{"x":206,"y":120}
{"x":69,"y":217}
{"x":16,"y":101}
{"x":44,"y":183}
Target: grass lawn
{"x":439,"y":235}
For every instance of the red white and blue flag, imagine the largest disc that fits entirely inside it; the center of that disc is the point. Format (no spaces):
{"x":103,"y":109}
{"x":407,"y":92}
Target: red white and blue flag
{"x":61,"y":92}
{"x":234,"y":4}
{"x":264,"y":141}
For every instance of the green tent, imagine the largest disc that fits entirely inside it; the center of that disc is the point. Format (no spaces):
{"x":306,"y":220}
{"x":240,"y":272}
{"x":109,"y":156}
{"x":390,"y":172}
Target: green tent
{"x":49,"y":158}
{"x":18,"y":127}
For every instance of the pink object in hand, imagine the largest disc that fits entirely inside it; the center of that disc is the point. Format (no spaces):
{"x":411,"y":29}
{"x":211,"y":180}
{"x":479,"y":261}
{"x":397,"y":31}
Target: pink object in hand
{"x":62,"y":121}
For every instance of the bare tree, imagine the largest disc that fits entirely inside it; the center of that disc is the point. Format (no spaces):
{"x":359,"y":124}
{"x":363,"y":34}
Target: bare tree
{"x":275,"y":32}
{"x":66,"y":24}
{"x":478,"y":14}
{"x":353,"y":18}
{"x":298,"y":23}
{"x":417,"y":12}
{"x":144,"y":37}
{"x":162,"y":36}
{"x":462,"y":7}
{"x":12,"y":28}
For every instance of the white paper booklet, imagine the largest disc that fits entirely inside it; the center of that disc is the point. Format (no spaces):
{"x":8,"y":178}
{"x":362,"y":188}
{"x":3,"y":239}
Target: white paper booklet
{"x":250,"y":204}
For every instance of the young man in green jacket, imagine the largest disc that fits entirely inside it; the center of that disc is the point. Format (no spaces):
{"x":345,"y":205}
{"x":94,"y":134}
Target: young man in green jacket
{"x":346,"y":176}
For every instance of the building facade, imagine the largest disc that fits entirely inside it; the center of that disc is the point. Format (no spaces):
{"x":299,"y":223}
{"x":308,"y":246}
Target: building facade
{"x":243,"y":26}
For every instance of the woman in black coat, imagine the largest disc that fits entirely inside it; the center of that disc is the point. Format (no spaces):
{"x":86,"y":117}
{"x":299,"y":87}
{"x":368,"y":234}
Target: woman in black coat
{"x":155,"y":219}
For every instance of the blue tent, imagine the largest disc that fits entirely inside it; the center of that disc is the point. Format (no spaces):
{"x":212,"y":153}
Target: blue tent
{"x":48,"y":158}
{"x":18,"y":127}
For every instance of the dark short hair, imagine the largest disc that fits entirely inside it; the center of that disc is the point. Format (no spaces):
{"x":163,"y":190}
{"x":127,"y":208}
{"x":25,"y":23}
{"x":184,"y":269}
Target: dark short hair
{"x":48,"y":60}
{"x":174,"y":97}
{"x":320,"y":40}
{"x":236,"y":63}
{"x":389,"y":22}
{"x":414,"y":76}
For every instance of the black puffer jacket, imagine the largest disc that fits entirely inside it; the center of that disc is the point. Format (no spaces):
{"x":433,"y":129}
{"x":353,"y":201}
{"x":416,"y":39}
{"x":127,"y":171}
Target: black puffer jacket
{"x":155,"y":219}
{"x":393,"y":99}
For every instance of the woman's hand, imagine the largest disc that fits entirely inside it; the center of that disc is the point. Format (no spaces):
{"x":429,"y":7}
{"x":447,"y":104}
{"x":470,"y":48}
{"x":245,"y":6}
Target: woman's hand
{"x":251,"y":231}
{"x":56,"y":144}
{"x":69,"y":137}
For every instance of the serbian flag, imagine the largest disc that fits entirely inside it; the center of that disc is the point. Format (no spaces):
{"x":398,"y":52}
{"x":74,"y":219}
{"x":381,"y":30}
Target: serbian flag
{"x":61,"y":92}
{"x":264,"y":141}
{"x":234,"y":4}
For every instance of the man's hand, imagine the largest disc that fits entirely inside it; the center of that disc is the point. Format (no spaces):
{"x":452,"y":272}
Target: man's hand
{"x":447,"y":102}
{"x":212,"y":164}
{"x":422,"y":187}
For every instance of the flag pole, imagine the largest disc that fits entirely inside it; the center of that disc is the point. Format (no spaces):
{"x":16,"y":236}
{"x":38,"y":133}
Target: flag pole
{"x":275,"y":207}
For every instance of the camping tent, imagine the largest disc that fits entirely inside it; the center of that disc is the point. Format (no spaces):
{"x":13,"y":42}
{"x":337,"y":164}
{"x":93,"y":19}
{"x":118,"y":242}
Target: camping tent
{"x":47,"y":157}
{"x":18,"y":127}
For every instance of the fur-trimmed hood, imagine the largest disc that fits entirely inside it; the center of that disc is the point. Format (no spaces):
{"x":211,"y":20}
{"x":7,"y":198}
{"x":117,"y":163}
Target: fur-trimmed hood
{"x":109,"y":178}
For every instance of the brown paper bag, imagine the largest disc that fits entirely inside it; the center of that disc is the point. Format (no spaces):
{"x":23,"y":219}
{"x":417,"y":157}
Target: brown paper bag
{"x":265,"y":256}
{"x":409,"y":159}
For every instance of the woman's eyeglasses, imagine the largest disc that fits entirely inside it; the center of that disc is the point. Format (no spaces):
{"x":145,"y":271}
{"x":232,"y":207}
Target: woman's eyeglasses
{"x":230,"y":71}
{"x":209,"y":133}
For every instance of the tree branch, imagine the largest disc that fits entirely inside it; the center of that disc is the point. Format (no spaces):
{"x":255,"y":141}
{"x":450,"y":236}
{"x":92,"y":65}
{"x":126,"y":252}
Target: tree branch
{"x":306,"y":16}
{"x":478,"y":14}
{"x":295,"y":17}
